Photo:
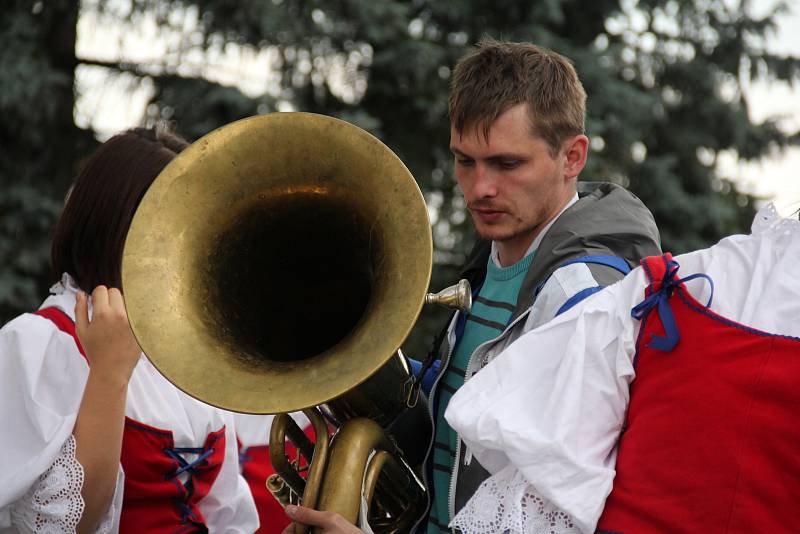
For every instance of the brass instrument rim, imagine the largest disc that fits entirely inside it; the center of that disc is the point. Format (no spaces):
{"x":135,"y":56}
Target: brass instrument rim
{"x":160,"y":265}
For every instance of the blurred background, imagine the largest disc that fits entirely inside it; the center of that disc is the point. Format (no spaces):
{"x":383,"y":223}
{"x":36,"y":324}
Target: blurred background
{"x":693,"y":104}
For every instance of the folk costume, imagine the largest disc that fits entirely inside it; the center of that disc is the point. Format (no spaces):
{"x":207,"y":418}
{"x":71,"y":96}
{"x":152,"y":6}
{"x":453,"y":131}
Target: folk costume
{"x":256,"y":467}
{"x":592,"y":243}
{"x":680,"y":380}
{"x":178,"y":467}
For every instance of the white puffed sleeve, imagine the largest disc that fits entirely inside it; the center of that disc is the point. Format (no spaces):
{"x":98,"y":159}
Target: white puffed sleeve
{"x":545,"y":415}
{"x":229,"y":505}
{"x":42,"y":377}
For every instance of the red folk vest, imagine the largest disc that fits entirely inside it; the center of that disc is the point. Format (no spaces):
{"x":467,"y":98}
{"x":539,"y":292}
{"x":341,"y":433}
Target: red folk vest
{"x":256,"y":468}
{"x":711,"y":442}
{"x":163,"y":484}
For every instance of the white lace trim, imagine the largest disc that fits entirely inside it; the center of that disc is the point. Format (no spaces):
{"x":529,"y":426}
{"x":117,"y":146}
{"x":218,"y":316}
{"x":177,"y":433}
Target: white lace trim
{"x":506,"y":503}
{"x":769,"y":220}
{"x":54,"y":503}
{"x":109,"y":522}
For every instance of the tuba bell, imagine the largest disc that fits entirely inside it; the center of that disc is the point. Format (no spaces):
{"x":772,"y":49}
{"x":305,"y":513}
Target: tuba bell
{"x":276,"y":265}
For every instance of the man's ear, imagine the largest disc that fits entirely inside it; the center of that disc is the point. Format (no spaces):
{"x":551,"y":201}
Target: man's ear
{"x":575,"y":151}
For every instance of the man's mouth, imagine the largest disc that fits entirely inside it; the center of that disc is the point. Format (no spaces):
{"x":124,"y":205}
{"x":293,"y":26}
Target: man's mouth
{"x":487,"y":215}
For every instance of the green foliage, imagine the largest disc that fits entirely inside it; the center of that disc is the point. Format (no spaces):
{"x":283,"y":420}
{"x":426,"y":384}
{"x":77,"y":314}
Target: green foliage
{"x":197,"y":104}
{"x":664,"y":79}
{"x":39,"y":142}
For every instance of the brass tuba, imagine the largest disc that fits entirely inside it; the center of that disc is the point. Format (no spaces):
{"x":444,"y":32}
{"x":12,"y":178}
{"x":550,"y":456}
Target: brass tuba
{"x":277,"y":264}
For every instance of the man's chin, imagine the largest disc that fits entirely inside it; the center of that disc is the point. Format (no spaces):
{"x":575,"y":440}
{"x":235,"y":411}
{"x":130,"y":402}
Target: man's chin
{"x":493,"y":234}
{"x":501,"y":233}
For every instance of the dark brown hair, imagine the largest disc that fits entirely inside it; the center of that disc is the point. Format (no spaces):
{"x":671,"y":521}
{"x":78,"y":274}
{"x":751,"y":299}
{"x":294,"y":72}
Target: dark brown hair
{"x":90,"y":234}
{"x":496,"y":76}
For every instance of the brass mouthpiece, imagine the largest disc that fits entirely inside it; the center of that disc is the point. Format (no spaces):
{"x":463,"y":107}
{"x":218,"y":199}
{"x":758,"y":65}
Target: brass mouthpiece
{"x":458,"y":296}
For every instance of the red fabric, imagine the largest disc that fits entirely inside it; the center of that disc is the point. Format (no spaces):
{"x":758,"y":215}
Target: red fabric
{"x":63,"y":323}
{"x":256,"y":469}
{"x":711,"y":437}
{"x":155,"y":501}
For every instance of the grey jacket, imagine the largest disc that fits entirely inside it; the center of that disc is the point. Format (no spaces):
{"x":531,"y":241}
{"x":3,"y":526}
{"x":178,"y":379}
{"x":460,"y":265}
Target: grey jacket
{"x":607,"y":220}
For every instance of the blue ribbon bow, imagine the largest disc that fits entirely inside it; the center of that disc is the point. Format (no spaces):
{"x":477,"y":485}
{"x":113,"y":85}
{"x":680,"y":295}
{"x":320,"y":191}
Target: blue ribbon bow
{"x":660,"y":298}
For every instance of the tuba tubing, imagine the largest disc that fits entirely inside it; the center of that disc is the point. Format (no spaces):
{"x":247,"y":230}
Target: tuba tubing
{"x":277,"y":264}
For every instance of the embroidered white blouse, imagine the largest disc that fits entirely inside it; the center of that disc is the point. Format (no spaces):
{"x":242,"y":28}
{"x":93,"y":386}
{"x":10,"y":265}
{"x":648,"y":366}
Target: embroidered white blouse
{"x":42,"y":377}
{"x":545,"y":415}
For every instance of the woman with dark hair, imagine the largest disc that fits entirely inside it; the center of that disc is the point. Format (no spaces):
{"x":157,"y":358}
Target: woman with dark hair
{"x":94,"y":438}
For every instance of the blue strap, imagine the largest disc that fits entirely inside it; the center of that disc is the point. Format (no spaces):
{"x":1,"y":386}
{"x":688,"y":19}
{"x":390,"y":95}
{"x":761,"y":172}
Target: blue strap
{"x":186,"y":511}
{"x":660,"y":298}
{"x":462,"y":317}
{"x":615,"y":262}
{"x":175,"y":454}
{"x":430,"y":375}
{"x":244,"y":457}
{"x":424,"y":373}
{"x":577,"y":297}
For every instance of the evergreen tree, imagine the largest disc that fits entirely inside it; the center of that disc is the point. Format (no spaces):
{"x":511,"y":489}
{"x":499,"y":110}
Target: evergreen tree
{"x":40,"y":145}
{"x":664,"y":79}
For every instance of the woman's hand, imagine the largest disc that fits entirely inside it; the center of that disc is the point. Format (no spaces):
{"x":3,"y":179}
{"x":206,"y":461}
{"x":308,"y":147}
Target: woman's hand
{"x":329,"y":522}
{"x":107,"y":338}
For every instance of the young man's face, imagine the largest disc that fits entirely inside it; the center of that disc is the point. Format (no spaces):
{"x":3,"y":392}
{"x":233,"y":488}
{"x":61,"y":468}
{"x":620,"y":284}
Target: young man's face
{"x":512,"y":184}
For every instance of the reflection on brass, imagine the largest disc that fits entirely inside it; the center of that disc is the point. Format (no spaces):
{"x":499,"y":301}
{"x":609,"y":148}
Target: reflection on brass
{"x":317,"y":463}
{"x":398,"y":495}
{"x":374,"y":469}
{"x":281,"y":425}
{"x":277,"y":264}
{"x":458,"y":296}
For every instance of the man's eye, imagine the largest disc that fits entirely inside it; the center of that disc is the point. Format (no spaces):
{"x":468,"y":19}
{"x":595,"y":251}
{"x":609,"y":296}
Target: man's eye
{"x":508,"y":164}
{"x":464,"y":161}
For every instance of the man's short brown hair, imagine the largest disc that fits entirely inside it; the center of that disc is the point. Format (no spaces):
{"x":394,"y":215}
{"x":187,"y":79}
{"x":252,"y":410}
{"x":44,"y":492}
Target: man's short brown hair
{"x":497,"y":76}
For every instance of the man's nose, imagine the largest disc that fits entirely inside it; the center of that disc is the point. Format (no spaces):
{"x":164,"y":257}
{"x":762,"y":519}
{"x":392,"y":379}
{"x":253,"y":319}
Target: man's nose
{"x":484,"y":185}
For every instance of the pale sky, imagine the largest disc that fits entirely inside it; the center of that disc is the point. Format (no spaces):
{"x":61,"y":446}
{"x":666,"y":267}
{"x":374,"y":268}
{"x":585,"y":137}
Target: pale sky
{"x":778,"y":177}
{"x":111,"y":105}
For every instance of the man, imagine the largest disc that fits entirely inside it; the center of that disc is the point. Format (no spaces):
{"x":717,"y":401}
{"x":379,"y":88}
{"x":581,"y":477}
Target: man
{"x":672,"y":402}
{"x":517,"y":135}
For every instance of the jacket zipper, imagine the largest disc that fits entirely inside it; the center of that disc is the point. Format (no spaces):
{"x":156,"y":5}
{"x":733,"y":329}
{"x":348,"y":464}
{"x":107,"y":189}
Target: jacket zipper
{"x":469,"y":371}
{"x":451,"y":495}
{"x":442,"y":370}
{"x":468,"y":454}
